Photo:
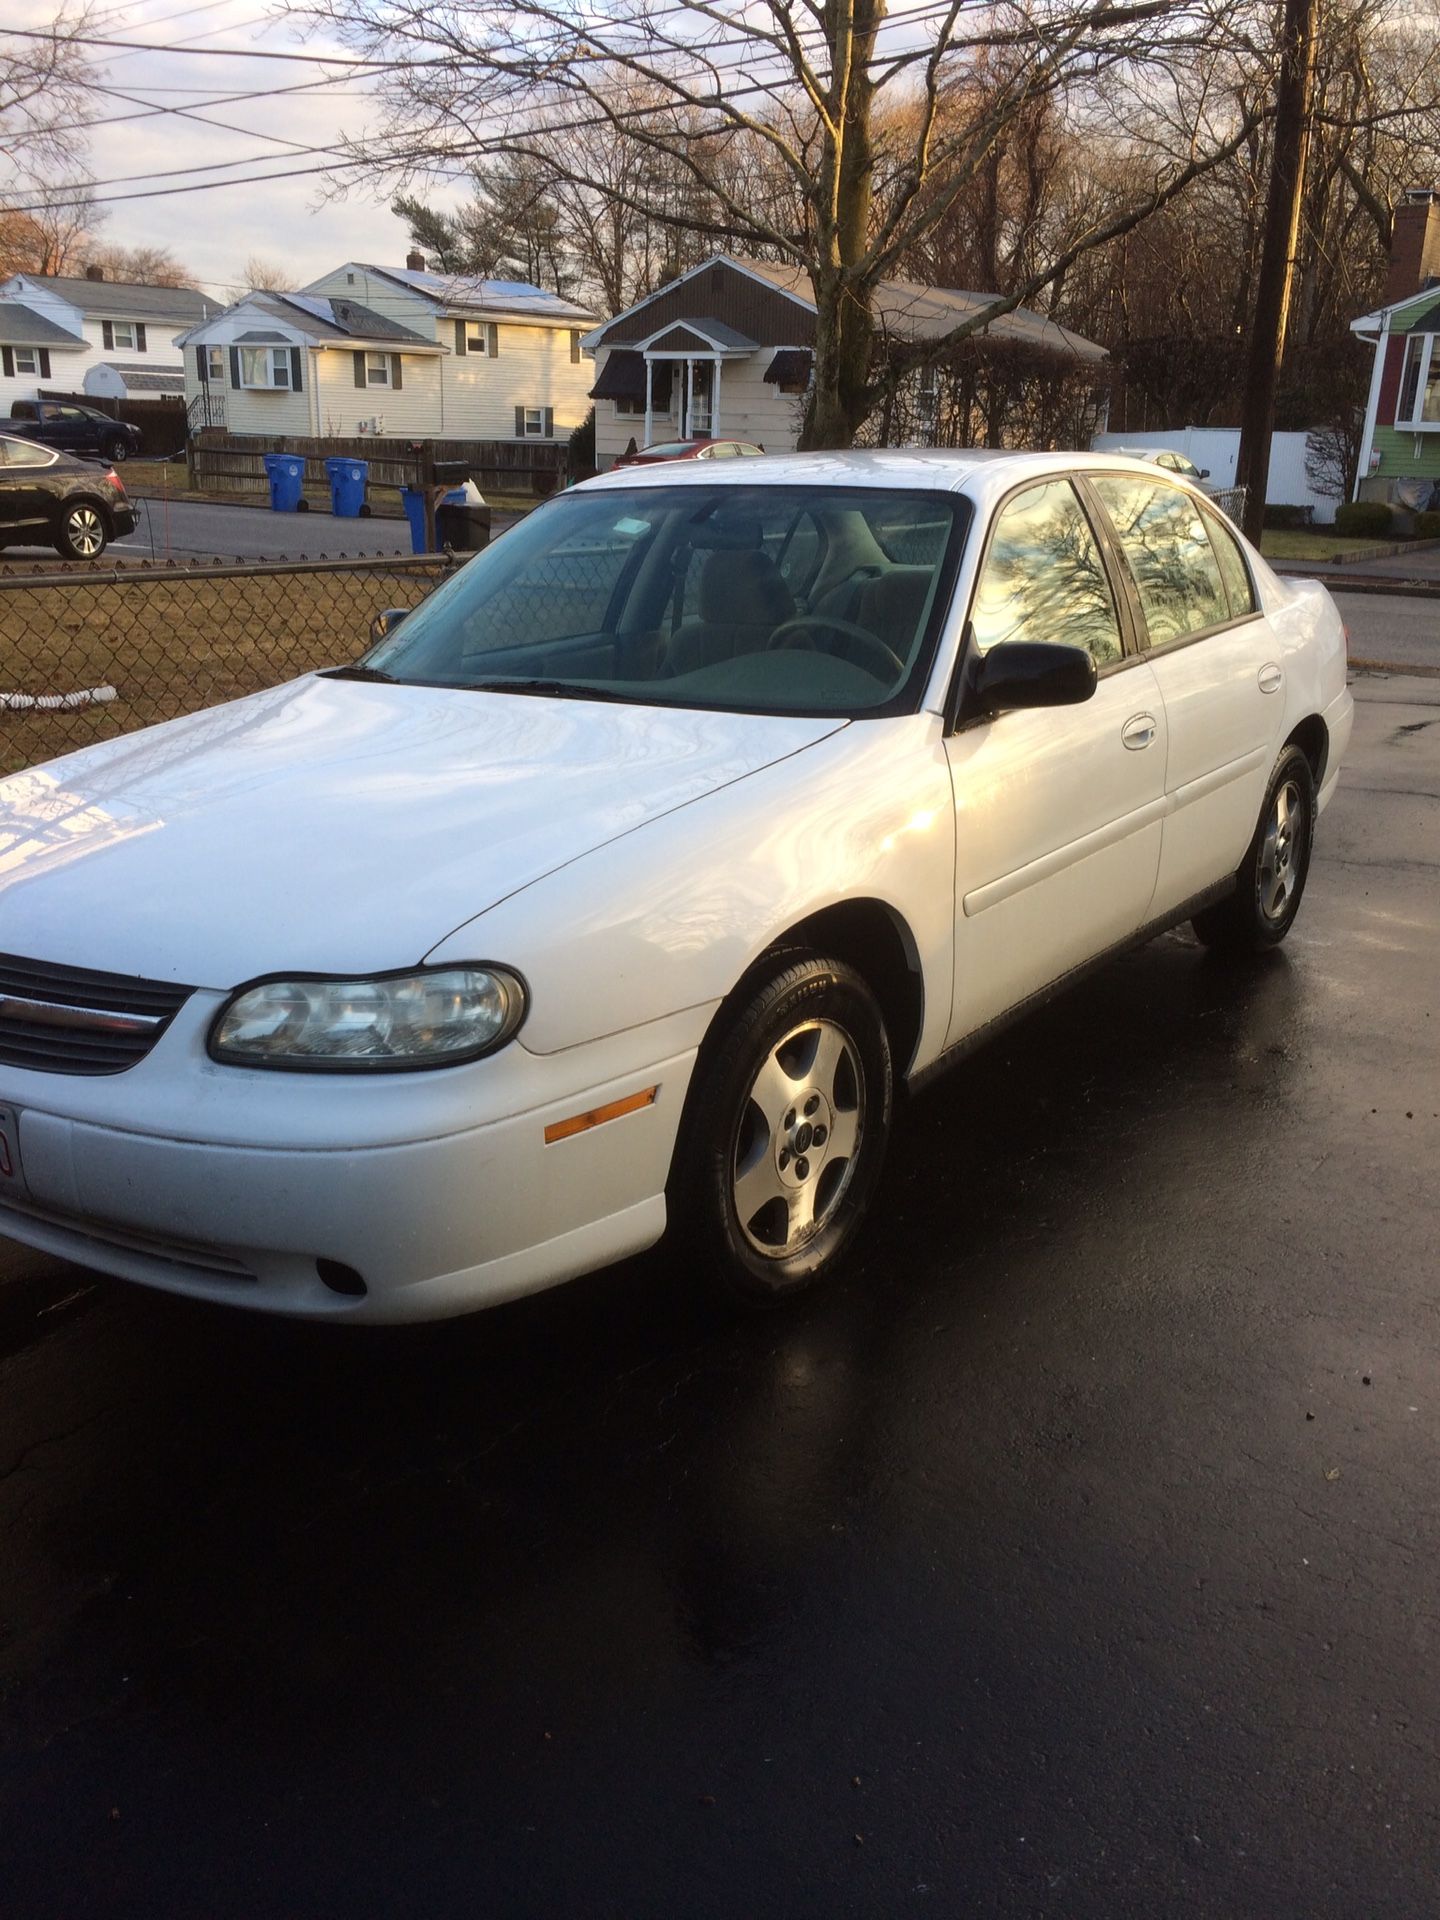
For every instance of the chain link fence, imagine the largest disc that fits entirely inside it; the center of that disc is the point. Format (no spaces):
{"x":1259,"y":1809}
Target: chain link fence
{"x":85,"y":655}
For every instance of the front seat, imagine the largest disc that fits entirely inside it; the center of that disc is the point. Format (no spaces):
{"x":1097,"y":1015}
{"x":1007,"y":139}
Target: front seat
{"x":742,"y":599}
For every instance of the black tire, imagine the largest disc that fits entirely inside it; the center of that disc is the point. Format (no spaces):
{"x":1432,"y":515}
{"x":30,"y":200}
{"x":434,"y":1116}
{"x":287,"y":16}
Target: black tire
{"x":790,"y":1022}
{"x":116,"y":450}
{"x":82,"y":530}
{"x":1270,"y":881}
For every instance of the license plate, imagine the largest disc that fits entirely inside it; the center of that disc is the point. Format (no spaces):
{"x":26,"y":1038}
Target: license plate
{"x":11,"y":1179}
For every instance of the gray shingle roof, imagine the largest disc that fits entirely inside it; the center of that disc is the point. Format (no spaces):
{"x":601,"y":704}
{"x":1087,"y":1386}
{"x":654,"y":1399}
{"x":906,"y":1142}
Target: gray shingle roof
{"x":148,"y":379}
{"x":21,"y":326}
{"x":125,"y":300}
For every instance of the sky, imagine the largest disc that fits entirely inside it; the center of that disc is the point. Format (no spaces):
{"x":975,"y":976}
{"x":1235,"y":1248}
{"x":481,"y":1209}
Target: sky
{"x":287,"y":221}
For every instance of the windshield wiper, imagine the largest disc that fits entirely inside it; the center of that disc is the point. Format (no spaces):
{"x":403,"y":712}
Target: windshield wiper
{"x":557,"y":689}
{"x":357,"y":673}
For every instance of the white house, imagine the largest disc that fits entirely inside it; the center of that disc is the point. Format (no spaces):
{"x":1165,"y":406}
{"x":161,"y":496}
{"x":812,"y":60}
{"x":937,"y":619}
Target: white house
{"x":726,"y":350}
{"x":297,"y":364}
{"x":515,"y":367}
{"x":399,"y":352}
{"x":111,"y":338}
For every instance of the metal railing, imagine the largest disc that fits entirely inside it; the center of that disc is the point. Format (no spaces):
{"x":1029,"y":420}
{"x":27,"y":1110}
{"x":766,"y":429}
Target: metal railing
{"x":87,"y":654}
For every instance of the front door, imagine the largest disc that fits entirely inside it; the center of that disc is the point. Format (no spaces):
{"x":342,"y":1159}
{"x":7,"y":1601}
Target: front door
{"x":1058,"y":810}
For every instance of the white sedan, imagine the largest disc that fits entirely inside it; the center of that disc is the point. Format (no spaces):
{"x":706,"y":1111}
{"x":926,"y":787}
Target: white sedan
{"x":623,"y":882}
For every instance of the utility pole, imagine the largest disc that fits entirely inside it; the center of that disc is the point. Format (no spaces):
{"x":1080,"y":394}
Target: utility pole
{"x":1277,"y":258}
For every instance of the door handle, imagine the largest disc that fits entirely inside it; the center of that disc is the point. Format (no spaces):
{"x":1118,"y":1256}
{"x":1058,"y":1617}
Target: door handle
{"x":1138,"y":731}
{"x":1270,"y":678}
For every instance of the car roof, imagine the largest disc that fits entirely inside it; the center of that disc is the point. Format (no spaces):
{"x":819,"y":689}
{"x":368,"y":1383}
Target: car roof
{"x":977,"y":471}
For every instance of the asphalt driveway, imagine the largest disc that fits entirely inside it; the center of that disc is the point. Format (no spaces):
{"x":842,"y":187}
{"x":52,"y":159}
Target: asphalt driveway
{"x":1074,"y":1558}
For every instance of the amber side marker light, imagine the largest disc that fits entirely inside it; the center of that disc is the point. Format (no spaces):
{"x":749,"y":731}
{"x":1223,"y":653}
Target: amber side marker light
{"x":597,"y":1116}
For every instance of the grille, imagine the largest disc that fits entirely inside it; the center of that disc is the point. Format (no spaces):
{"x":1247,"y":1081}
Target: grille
{"x":72,"y":1020}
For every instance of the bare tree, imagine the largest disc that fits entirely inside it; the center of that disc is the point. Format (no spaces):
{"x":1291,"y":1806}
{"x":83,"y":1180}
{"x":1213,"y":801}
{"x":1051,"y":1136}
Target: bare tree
{"x":698,"y":88}
{"x":45,"y":82}
{"x":54,"y":236}
{"x":142,"y":266}
{"x":265,"y":276}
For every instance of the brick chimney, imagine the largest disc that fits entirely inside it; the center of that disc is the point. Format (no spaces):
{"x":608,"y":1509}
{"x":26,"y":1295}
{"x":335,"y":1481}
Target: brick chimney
{"x":415,"y":261}
{"x":1414,"y":244}
{"x":94,"y":273}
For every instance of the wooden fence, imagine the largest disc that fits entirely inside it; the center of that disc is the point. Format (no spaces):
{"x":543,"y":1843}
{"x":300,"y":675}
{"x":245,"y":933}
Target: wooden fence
{"x":161,"y":420}
{"x":235,"y":463}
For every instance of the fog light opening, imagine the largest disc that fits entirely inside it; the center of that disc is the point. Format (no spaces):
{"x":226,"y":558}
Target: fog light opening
{"x":341,"y":1279}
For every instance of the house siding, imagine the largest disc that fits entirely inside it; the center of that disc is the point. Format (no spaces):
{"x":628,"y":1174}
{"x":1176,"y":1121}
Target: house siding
{"x":412,"y":412}
{"x":67,"y":370}
{"x":531,"y":369}
{"x":1399,"y":460}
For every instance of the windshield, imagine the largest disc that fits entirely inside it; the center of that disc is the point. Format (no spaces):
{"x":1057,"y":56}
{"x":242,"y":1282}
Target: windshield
{"x":753,"y":599}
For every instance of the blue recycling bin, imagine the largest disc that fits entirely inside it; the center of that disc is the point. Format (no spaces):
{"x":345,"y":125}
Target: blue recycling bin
{"x":347,"y":487}
{"x":413,"y":501}
{"x":286,"y":474}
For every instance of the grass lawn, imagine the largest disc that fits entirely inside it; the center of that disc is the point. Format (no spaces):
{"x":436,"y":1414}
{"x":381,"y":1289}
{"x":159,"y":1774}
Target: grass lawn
{"x":1314,"y":543}
{"x":170,"y":645}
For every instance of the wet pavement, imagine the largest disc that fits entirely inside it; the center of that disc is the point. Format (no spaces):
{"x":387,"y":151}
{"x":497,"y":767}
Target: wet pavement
{"x":1075,"y":1557}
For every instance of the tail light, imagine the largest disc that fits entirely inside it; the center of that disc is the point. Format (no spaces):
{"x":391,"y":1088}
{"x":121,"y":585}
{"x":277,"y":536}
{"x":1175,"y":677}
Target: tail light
{"x":115,"y":481}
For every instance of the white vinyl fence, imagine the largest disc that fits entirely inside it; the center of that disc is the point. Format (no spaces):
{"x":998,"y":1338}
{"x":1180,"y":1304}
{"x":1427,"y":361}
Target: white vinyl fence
{"x":1218,"y":448}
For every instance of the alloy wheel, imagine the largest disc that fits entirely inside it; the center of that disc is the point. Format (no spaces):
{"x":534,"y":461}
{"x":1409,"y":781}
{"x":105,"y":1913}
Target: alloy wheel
{"x":799,"y":1138}
{"x":1282,"y":851}
{"x":86,"y":532}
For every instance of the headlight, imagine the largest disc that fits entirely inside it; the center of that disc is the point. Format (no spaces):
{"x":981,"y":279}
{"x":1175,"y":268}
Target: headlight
{"x":406,"y":1020}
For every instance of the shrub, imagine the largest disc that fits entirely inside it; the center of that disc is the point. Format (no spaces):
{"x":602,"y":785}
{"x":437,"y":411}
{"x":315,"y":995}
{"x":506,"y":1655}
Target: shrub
{"x":1427,"y":525}
{"x":1365,"y":520}
{"x":1288,"y":516}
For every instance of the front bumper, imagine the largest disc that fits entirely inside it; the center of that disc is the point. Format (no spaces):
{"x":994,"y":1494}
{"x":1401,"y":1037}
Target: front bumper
{"x":449,"y":1218}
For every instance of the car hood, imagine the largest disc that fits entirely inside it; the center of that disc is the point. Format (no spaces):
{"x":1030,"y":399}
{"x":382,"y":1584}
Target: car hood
{"x":336,"y":826}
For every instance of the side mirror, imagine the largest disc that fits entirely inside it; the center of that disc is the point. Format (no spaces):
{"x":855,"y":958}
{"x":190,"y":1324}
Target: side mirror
{"x":1204,"y":473}
{"x":384,"y":624}
{"x":1029,"y":673}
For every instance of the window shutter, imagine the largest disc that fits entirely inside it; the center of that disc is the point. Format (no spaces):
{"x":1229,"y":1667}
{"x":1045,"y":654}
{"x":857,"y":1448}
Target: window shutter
{"x":549,"y":423}
{"x":492,"y":339}
{"x":519,"y":420}
{"x":460,"y":346}
{"x":359,"y":360}
{"x":574,"y":348}
{"x":396,"y":379}
{"x":297,"y":372}
{"x":139,"y":337}
{"x":234,"y":366}
{"x":107,"y":334}
{"x":44,"y":363}
{"x":7,"y":361}
{"x":202,"y":365}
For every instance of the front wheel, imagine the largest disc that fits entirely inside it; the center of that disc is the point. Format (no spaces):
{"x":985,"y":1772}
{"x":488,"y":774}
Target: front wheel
{"x":1271,"y":879}
{"x":785,"y":1131}
{"x":81,"y":533}
{"x":115,"y":450}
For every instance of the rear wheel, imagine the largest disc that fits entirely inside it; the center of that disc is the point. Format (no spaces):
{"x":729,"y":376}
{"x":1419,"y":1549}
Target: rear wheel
{"x":80,"y":532}
{"x":785,"y":1131}
{"x":1271,"y":880}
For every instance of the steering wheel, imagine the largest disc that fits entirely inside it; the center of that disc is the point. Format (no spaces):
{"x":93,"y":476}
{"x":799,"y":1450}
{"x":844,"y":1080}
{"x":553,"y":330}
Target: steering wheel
{"x":890,"y":665}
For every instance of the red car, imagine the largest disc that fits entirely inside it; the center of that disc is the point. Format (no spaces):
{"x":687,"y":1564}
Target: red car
{"x":700,"y":448}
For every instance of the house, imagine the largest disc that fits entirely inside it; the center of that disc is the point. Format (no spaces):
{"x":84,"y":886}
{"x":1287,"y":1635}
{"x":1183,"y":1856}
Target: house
{"x":295,"y":364}
{"x":394,"y":351}
{"x":727,"y":347}
{"x":110,"y":338}
{"x":1401,"y":438}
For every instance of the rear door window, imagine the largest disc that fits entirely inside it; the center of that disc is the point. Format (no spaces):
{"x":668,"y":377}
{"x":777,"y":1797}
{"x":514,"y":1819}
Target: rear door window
{"x":1239,"y":589}
{"x":1161,"y":532}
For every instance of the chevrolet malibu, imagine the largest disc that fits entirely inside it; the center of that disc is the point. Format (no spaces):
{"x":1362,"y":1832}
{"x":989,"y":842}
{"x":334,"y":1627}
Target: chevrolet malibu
{"x":621,"y":885}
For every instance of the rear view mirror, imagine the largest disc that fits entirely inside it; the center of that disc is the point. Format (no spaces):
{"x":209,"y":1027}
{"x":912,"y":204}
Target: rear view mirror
{"x":1028,"y":673}
{"x":384,"y":624}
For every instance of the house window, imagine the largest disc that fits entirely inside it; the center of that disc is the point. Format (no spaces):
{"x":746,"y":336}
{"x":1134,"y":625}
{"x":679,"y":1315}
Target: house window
{"x":482,"y":336}
{"x":1420,"y":383}
{"x":215,"y":363}
{"x":122,"y":332}
{"x":265,"y":367}
{"x":27,"y":360}
{"x":574,"y":347}
{"x":377,"y":369}
{"x":534,"y":420}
